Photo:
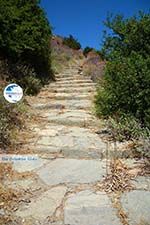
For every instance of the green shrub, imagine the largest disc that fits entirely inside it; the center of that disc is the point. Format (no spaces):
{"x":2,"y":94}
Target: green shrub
{"x":87,"y":50}
{"x":71,"y":42}
{"x":26,"y":77}
{"x":126,"y":85}
{"x":127,"y":36}
{"x":25,"y":37}
{"x":126,"y":127}
{"x":126,"y":88}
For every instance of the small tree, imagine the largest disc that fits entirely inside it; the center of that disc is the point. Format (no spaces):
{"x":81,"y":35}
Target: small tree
{"x":126,"y":84}
{"x":71,"y":42}
{"x":25,"y":34}
{"x":87,"y":50}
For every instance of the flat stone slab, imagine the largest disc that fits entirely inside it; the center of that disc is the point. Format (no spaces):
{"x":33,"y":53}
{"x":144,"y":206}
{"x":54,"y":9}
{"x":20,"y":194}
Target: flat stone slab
{"x":74,"y":81}
{"x":59,"y":96}
{"x":72,"y":78}
{"x":45,"y":205}
{"x":74,"y":85}
{"x":28,"y":184}
{"x":88,"y":208}
{"x":74,"y":142}
{"x":136,"y":205}
{"x":70,"y":117}
{"x":21,"y":184}
{"x":71,"y":89}
{"x":141,"y":182}
{"x":60,"y":104}
{"x":28,"y":165}
{"x":73,"y":171}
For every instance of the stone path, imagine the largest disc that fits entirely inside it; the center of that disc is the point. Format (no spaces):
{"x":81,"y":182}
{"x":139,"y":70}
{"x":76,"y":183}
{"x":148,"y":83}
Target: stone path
{"x":71,"y":163}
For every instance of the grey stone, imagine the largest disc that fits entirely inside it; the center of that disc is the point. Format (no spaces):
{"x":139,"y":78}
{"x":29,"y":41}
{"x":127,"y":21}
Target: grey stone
{"x":73,"y":171}
{"x":21,"y":184}
{"x":2,"y":212}
{"x":28,"y":165}
{"x":71,"y":77}
{"x":141,"y":182}
{"x":71,"y":117}
{"x":74,"y":85}
{"x":64,"y":96}
{"x":71,"y":89}
{"x":69,"y":104}
{"x":75,"y":81}
{"x":136,"y":205}
{"x":49,"y":132}
{"x":70,"y":113}
{"x":88,"y":208}
{"x":73,"y":142}
{"x":45,"y":205}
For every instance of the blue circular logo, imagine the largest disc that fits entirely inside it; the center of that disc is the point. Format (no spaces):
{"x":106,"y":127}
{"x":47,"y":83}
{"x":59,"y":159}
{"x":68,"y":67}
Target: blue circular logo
{"x":13,"y":93}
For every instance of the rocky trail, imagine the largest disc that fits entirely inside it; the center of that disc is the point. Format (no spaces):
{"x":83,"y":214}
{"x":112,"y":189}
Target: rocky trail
{"x":66,"y":182}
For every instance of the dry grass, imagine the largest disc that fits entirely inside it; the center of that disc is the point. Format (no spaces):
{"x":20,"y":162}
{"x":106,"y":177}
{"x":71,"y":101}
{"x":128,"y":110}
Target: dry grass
{"x":8,"y":196}
{"x":95,"y":70}
{"x":119,"y":178}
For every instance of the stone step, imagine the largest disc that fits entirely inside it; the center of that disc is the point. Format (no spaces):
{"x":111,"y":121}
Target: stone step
{"x":73,"y":85}
{"x":72,"y":171}
{"x":136,"y":205}
{"x":90,"y":208}
{"x":71,"y":89}
{"x":69,"y":84}
{"x":72,"y":68}
{"x":70,"y":74}
{"x":70,"y":71}
{"x":63,"y":104}
{"x":66,"y":96}
{"x":76,"y":66}
{"x":70,"y":141}
{"x":72,"y":77}
{"x":43,"y":206}
{"x":80,"y":118}
{"x":75,"y":82}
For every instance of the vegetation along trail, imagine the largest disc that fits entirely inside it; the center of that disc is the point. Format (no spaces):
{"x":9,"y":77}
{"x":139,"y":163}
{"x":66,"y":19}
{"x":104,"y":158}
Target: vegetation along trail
{"x":71,"y":181}
{"x":78,"y":142}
